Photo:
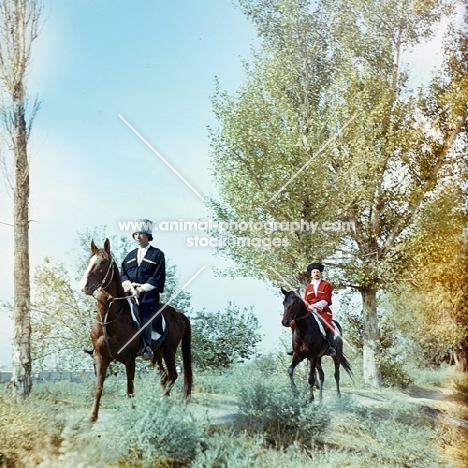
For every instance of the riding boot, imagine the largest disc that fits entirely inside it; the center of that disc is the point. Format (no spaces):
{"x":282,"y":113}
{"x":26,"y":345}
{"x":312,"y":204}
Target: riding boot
{"x":331,"y":343}
{"x":147,"y":353}
{"x":89,"y":351}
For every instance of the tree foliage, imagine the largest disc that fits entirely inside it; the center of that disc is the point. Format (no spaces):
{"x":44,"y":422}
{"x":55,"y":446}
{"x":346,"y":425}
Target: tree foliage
{"x":432,"y":306}
{"x":328,"y":127}
{"x":221,"y":339}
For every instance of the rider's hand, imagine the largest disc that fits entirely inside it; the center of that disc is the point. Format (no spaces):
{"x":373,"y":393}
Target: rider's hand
{"x":127,"y":286}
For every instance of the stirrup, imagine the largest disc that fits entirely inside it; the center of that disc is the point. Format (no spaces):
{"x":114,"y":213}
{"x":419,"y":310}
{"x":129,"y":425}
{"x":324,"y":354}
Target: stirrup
{"x":331,"y":351}
{"x":147,"y":354}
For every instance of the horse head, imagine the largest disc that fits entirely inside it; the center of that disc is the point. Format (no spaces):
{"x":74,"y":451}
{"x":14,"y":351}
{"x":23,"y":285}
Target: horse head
{"x":99,"y":268}
{"x":294,"y":307}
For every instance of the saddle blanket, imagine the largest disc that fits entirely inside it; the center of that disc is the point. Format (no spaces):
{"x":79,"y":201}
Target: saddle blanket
{"x":322,"y":329}
{"x":155,"y":336}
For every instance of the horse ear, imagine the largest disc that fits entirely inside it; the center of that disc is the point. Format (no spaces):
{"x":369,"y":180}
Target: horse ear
{"x":94,"y":249}
{"x":107,"y":245}
{"x":284,"y":291}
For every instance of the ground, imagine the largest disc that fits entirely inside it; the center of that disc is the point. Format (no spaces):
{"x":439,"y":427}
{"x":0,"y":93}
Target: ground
{"x":82,"y":444}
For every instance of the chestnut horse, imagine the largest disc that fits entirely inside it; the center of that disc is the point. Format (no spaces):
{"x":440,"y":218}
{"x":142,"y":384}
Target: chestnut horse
{"x":114,"y":336}
{"x":308,"y":342}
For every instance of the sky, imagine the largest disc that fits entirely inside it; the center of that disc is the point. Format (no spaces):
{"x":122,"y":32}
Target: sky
{"x":153,"y":64}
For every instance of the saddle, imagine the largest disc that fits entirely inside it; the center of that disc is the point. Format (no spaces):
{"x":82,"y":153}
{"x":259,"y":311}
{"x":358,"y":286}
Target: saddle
{"x":158,"y":324}
{"x":322,"y":329}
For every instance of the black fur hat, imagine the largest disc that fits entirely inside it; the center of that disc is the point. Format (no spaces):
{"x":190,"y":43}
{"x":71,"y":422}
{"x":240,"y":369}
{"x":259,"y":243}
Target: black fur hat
{"x":315,"y":266}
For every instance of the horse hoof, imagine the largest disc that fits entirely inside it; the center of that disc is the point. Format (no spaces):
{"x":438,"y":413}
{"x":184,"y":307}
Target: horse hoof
{"x":290,"y":371}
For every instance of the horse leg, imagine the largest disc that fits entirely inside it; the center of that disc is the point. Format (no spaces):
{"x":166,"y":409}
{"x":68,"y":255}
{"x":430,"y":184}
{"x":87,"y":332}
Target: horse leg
{"x":171,"y":376}
{"x":101,"y":369}
{"x":318,"y":366}
{"x":130,"y":370}
{"x":337,"y":374}
{"x":157,"y":361}
{"x":294,"y":363}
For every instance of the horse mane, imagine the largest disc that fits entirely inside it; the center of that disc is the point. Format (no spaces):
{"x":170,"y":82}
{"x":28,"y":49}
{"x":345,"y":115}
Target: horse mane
{"x":120,"y":290}
{"x":297,"y":302}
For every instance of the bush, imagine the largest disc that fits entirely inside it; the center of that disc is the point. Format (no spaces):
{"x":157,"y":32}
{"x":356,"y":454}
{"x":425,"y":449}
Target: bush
{"x":283,"y":416}
{"x":229,"y":450}
{"x":158,"y":430}
{"x":29,"y":431}
{"x":393,"y":372}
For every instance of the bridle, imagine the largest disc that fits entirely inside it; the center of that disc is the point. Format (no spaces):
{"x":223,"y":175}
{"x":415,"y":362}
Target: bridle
{"x":295,"y":318}
{"x":109,"y":269}
{"x":111,"y":299}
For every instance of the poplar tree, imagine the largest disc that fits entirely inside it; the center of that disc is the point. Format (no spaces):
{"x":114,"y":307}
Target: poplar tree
{"x":328,"y":127}
{"x":19,"y":21}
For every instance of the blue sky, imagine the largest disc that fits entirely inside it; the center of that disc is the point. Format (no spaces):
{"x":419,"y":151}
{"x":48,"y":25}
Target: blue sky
{"x":154,"y":63}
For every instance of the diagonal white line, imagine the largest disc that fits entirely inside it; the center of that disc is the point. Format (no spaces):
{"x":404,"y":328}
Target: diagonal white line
{"x":304,"y":301}
{"x":313,"y":157}
{"x":161,"y":309}
{"x":160,"y":157}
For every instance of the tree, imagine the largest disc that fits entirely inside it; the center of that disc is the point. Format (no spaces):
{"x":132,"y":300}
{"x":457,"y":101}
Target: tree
{"x":220,"y":339}
{"x":19,"y":21}
{"x":327,"y":131}
{"x":432,"y":307}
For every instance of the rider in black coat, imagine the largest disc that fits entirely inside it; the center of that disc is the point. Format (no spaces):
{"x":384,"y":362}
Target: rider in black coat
{"x":144,"y":269}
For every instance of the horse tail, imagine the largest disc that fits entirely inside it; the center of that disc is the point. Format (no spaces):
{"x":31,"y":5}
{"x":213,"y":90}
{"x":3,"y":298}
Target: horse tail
{"x":343,"y":361}
{"x":187,"y":356}
{"x":346,"y":365}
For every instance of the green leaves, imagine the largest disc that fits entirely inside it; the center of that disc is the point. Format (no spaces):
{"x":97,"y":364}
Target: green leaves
{"x":321,"y":67}
{"x":221,"y":339}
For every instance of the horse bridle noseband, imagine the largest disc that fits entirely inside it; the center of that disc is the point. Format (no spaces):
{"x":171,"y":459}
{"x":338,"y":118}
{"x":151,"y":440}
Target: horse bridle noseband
{"x":111,"y":298}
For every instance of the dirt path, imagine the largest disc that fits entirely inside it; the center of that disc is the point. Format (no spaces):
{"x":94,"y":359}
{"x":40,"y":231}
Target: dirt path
{"x":439,"y":403}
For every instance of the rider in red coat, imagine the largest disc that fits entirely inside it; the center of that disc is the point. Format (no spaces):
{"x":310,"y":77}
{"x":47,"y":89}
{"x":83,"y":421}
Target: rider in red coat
{"x":318,"y":295}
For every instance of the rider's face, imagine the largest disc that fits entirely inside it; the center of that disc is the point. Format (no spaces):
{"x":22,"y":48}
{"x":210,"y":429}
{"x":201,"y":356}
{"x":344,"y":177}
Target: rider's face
{"x":315,"y":274}
{"x":141,"y":239}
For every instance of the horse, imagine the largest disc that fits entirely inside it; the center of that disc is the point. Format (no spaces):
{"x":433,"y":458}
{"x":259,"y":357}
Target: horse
{"x":114,"y":336}
{"x":308,"y":343}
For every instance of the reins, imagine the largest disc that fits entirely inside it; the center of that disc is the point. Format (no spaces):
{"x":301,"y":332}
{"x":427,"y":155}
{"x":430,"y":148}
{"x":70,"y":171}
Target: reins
{"x":104,"y":322}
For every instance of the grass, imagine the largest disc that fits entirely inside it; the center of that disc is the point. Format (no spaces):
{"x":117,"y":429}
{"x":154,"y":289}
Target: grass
{"x":268,"y":426}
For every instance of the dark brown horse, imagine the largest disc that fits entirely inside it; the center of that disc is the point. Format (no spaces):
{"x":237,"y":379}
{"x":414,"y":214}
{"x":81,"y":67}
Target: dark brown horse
{"x":114,"y":331}
{"x":308,"y":342}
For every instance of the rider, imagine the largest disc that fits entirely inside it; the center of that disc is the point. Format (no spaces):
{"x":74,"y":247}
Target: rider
{"x":144,"y":270}
{"x":318,"y":295}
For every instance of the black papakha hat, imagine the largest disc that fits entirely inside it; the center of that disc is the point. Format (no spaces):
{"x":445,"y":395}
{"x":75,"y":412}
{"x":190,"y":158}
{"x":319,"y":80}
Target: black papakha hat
{"x":315,"y":266}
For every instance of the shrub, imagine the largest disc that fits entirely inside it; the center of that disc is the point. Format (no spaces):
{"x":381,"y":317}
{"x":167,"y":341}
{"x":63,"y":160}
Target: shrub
{"x":393,"y":372}
{"x":158,"y":430}
{"x":283,"y":416}
{"x":30,"y":432}
{"x":229,"y":450}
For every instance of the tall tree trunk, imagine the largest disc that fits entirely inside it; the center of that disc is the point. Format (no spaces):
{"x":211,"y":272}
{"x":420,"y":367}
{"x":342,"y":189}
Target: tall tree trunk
{"x":18,"y":29}
{"x":22,"y":332}
{"x":372,"y":375}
